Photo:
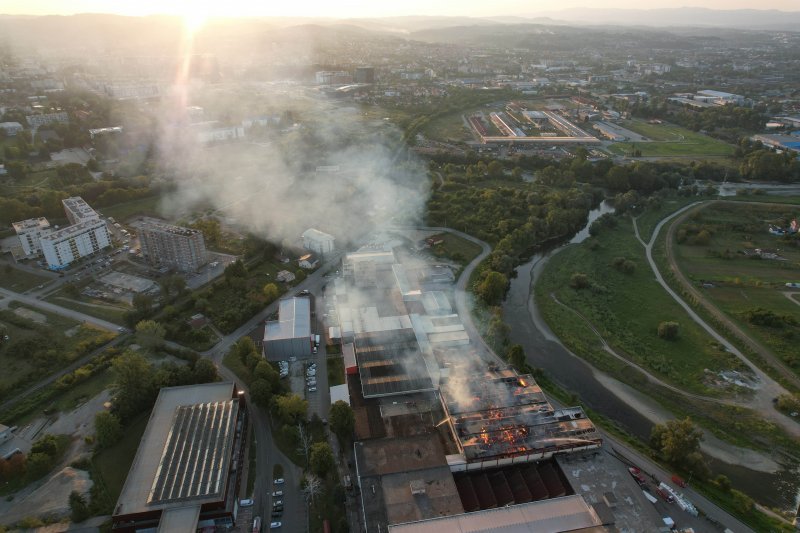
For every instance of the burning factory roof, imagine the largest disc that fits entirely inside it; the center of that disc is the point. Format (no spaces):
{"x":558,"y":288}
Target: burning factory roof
{"x":390,"y":362}
{"x":502,"y":415}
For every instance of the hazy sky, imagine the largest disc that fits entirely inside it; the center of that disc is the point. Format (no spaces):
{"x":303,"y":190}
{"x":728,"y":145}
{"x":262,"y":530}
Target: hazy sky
{"x":356,"y":8}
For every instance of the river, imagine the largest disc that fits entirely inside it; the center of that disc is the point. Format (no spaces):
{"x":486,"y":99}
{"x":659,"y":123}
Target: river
{"x":574,"y":374}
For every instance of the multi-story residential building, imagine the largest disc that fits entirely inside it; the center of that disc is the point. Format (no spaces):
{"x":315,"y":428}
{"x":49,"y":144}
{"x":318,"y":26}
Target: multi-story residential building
{"x":177,"y":247}
{"x":30,"y":232}
{"x":78,"y":210}
{"x":37,"y":121}
{"x":64,"y":246}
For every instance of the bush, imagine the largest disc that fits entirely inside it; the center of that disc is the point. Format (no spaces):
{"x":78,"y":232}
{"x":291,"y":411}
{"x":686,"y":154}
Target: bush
{"x":668,"y":330}
{"x":579,"y":281}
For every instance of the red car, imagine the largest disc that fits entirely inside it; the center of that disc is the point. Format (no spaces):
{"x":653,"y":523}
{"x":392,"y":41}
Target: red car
{"x":637,"y":475}
{"x":678,"y":480}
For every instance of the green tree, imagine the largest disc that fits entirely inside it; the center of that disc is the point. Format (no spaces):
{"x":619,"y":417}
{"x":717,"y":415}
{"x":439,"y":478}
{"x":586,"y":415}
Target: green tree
{"x":342,"y":421}
{"x":205,"y":371}
{"x":516,"y":357}
{"x":79,"y":509}
{"x":723,"y":483}
{"x":261,"y":393}
{"x":493,"y":287}
{"x":37,"y":465}
{"x":676,"y":440}
{"x":150,"y":334}
{"x":271,"y":292}
{"x":668,"y":330}
{"x":321,"y":459}
{"x":579,"y":281}
{"x":265,"y":371}
{"x":134,"y":384}
{"x":291,"y":408}
{"x":108,"y":429}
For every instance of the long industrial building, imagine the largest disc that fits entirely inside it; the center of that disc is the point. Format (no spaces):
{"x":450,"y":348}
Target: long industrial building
{"x":86,"y":235}
{"x":187,"y":471}
{"x":182,"y":249}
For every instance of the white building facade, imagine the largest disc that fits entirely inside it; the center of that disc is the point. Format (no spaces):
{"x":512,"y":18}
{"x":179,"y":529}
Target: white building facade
{"x":30,"y":232}
{"x":63,"y":247}
{"x":317,"y":241}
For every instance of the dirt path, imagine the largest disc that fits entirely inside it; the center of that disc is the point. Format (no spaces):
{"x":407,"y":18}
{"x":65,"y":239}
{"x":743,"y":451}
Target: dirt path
{"x":762,"y":399}
{"x":793,"y":296}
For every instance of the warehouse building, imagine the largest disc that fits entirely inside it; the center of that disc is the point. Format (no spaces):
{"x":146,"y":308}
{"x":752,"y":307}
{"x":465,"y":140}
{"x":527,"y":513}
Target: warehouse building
{"x":30,"y":232}
{"x":183,"y":249}
{"x":290,"y":335}
{"x":187,"y":471}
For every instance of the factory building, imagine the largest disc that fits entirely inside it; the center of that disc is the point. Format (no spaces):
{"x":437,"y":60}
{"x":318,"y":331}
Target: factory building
{"x":290,"y":335}
{"x":182,"y":249}
{"x":187,"y":470}
{"x":317,"y":241}
{"x":30,"y":232}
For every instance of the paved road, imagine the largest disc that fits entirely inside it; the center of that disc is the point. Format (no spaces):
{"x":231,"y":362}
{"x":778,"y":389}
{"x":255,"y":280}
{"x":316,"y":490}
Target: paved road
{"x":769,"y":389}
{"x":52,"y":308}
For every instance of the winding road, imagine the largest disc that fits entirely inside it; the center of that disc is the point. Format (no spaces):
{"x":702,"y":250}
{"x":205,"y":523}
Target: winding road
{"x":769,"y":389}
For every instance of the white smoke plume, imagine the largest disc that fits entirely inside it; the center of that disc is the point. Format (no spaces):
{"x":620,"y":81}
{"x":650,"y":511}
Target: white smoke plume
{"x":269,"y":185}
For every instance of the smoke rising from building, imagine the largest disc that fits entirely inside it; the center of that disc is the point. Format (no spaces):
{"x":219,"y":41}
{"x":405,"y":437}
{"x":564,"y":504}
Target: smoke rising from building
{"x":332,"y":170}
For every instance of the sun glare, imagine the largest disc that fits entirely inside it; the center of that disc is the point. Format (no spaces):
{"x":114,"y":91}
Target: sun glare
{"x":193,"y":20}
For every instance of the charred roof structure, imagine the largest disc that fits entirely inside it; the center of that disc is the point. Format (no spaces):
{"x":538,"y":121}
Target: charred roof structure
{"x":503,"y":418}
{"x":390,"y":362}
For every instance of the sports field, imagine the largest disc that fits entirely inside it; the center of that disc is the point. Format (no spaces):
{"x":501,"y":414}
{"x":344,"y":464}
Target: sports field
{"x":670,"y":140}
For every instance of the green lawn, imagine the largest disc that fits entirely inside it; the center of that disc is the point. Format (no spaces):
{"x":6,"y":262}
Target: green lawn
{"x":143,"y":206}
{"x":626,"y":309}
{"x":18,"y":280}
{"x":455,"y":248}
{"x":109,"y":312}
{"x":112,"y":465}
{"x":448,"y":128}
{"x":745,"y":283}
{"x":649,"y":219}
{"x":335,"y":371}
{"x":670,"y":140}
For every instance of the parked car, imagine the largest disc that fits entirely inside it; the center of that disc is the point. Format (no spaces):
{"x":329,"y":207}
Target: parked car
{"x":246,"y":503}
{"x":279,"y":481}
{"x":275,"y":525}
{"x":277,"y":493}
{"x":312,"y":389}
{"x":278,"y":503}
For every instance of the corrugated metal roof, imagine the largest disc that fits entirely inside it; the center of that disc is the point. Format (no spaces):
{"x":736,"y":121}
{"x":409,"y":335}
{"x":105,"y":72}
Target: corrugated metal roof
{"x":294,"y":320}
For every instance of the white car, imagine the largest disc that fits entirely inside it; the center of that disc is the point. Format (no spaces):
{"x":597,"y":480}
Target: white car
{"x":275,"y":525}
{"x":312,"y":389}
{"x":279,"y":481}
{"x":277,"y":493}
{"x":246,"y":503}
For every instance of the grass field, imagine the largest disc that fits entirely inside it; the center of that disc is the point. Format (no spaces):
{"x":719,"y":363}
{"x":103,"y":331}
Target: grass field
{"x":743,"y":283}
{"x":448,"y":128}
{"x":113,"y":464}
{"x":649,"y":219}
{"x":143,"y":206}
{"x":335,"y":371}
{"x":18,"y":280}
{"x":626,"y":309}
{"x":455,"y":248}
{"x":69,"y":337}
{"x":670,"y":140}
{"x":109,"y":312}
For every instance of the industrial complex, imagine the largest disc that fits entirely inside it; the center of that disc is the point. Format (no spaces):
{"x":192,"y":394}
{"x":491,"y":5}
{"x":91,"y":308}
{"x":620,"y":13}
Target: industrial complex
{"x":517,"y":124}
{"x":442,"y":431}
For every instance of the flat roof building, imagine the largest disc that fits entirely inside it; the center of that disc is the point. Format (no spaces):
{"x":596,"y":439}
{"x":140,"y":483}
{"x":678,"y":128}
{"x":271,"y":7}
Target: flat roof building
{"x":318,"y":241}
{"x":183,"y":249}
{"x":568,"y":513}
{"x":63,"y":247}
{"x":30,"y":232}
{"x":187,"y":469}
{"x":78,"y":210}
{"x":290,"y":335}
